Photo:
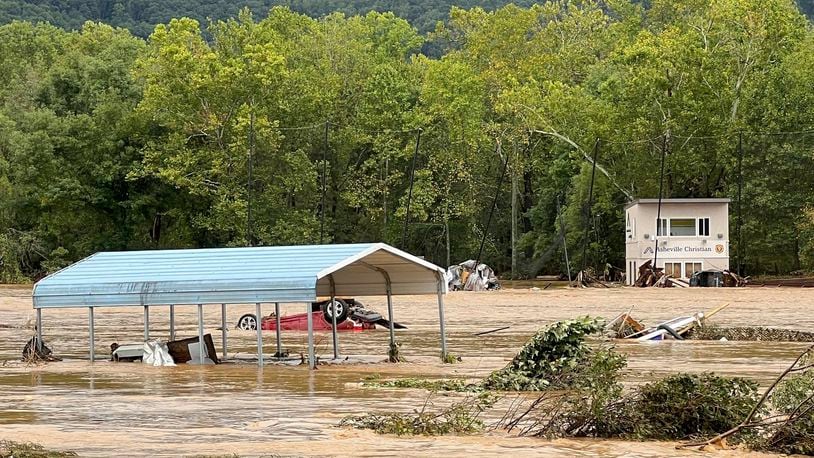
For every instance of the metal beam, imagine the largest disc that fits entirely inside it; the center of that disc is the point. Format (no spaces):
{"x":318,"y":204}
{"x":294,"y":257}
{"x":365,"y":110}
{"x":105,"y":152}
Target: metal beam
{"x":91,"y":337}
{"x":146,"y":323}
{"x":223,"y":328}
{"x":258,"y":321}
{"x":333,"y":316}
{"x":311,"y":362}
{"x":441,"y":281}
{"x":172,"y":322}
{"x":279,"y":332}
{"x":201,"y":344}
{"x":39,"y":329}
{"x":389,"y":289}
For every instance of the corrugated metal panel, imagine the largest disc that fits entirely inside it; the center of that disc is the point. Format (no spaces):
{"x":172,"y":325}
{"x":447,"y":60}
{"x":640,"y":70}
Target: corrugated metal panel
{"x":232,"y":275}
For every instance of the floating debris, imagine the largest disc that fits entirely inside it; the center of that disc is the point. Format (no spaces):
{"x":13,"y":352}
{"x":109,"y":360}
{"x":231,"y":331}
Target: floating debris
{"x":749,"y":333}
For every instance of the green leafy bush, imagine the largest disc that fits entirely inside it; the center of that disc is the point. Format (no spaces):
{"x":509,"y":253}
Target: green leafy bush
{"x":793,"y":398}
{"x":556,"y":357}
{"x":424,"y":384}
{"x":9,"y":449}
{"x":459,"y":418}
{"x":687,"y":405}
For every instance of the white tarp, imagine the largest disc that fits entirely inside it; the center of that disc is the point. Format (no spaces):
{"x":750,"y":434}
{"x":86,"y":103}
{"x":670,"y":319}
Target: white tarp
{"x":157,"y":354}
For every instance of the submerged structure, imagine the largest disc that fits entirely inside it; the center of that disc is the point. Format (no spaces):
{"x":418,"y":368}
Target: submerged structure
{"x":222,"y":276}
{"x":682,"y":236}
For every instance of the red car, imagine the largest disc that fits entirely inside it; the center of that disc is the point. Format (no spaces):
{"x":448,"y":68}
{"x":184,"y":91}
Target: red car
{"x":351,"y":315}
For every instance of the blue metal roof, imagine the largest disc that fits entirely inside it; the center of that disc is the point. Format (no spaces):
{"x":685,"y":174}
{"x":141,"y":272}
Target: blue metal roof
{"x":232,"y":275}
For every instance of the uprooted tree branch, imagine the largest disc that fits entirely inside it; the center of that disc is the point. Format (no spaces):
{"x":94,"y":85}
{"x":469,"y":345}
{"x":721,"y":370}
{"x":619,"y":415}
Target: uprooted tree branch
{"x":790,"y":427}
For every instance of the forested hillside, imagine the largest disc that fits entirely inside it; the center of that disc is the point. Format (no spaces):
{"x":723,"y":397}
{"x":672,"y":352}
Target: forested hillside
{"x":141,"y":16}
{"x":219,"y":136}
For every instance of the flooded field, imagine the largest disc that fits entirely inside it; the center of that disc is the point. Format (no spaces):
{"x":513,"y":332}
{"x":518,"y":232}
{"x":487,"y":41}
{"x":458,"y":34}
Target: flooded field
{"x":126,"y":409}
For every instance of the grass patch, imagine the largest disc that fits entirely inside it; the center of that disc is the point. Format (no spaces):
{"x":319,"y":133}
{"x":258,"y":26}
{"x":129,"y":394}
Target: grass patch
{"x":456,"y":385}
{"x":460,"y":418}
{"x":10,"y":449}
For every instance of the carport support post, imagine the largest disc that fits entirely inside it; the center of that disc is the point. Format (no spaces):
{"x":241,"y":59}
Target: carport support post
{"x":146,"y":323}
{"x":279,"y":336}
{"x":91,"y":338}
{"x":201,"y":344}
{"x":333,"y":316}
{"x":223,"y":327}
{"x":172,"y":323}
{"x":311,"y":362}
{"x":441,"y":281}
{"x":393,"y":351}
{"x":39,"y":329}
{"x":259,"y":325}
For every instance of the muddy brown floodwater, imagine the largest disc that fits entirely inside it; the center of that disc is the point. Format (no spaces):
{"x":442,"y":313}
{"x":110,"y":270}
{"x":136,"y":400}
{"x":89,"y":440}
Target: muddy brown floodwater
{"x":126,"y":409}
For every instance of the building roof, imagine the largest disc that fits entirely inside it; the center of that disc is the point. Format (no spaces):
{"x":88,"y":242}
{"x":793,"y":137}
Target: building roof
{"x":702,"y":200}
{"x":236,"y":275}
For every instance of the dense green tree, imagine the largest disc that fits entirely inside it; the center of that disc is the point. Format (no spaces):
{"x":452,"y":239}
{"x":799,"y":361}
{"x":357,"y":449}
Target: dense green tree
{"x":224,"y":132}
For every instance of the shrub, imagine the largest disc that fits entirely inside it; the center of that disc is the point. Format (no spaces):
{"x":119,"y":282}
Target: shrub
{"x":793,"y":398}
{"x":555,"y":357}
{"x":459,"y":418}
{"x":9,"y":449}
{"x":687,"y":405}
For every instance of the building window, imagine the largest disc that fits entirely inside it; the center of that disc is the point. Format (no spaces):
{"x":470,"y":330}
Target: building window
{"x":661,"y":227}
{"x":691,"y":268}
{"x":673,"y":269}
{"x":682,"y":227}
{"x":703,"y":227}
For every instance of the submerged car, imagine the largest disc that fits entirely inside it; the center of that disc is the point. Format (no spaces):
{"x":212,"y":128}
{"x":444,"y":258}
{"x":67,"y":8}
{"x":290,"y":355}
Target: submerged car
{"x":351,"y":315}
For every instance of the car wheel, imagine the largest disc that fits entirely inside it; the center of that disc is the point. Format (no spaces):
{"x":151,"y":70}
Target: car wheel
{"x":341,"y":308}
{"x":247,"y":322}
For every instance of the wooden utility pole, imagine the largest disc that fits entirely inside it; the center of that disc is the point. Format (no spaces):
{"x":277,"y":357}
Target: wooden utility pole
{"x":324,"y":185}
{"x":514,"y":214}
{"x":249,"y":180}
{"x":586,"y":240}
{"x":740,"y":199}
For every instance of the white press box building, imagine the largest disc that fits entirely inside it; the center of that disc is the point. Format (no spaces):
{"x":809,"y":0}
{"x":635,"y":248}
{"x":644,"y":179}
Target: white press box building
{"x":691,"y":235}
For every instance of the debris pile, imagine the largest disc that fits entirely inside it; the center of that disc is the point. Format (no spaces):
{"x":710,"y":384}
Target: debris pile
{"x":718,"y":278}
{"x":36,"y":351}
{"x":626,"y":327}
{"x":155,"y":353}
{"x":465,"y":277}
{"x":586,"y":278}
{"x":650,"y":276}
{"x":623,"y":326}
{"x":749,"y":333}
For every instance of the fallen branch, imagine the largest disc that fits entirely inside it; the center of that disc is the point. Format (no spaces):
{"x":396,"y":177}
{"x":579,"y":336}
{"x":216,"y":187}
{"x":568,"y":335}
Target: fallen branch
{"x":748,"y":421}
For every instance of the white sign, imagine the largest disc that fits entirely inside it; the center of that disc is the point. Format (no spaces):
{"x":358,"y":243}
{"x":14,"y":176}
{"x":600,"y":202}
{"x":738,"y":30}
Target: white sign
{"x":687,"y":249}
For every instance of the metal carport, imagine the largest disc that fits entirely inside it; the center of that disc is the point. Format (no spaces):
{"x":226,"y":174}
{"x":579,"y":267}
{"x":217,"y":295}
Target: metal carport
{"x":238,"y":276}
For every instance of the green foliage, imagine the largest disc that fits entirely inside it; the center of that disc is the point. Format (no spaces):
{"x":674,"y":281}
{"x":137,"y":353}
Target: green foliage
{"x":423,"y":384}
{"x":685,"y":406}
{"x":459,"y":418}
{"x":556,"y":357}
{"x":112,"y":142}
{"x":794,"y":397}
{"x":680,"y":406}
{"x":10,"y":449}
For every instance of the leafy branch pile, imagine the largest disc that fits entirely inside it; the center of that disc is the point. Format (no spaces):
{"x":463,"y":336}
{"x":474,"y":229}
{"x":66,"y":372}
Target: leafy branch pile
{"x":749,"y":333}
{"x":783,"y":419}
{"x":460,"y":418}
{"x":10,"y":449}
{"x":556,"y":357}
{"x":424,"y":384}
